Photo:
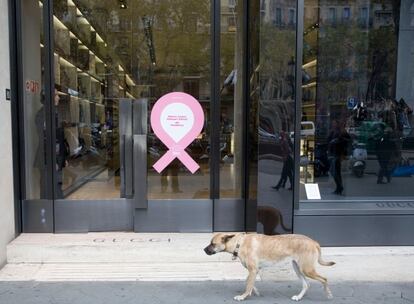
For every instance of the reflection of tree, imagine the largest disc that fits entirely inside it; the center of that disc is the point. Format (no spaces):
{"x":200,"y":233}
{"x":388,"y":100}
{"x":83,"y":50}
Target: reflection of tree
{"x":181,"y":38}
{"x":383,"y":64}
{"x":341,"y":61}
{"x":277,"y":49}
{"x":357,"y":62}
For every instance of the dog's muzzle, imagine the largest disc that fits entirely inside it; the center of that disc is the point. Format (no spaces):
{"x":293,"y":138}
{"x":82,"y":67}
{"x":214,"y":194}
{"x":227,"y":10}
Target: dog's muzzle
{"x":209,"y":250}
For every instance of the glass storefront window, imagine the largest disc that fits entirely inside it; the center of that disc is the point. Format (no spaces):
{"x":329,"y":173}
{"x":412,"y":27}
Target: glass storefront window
{"x":34,"y":113}
{"x":107,"y":52}
{"x":90,"y":78}
{"x":276,"y":90}
{"x":231,"y":98}
{"x":182,"y":46}
{"x":357,"y":100}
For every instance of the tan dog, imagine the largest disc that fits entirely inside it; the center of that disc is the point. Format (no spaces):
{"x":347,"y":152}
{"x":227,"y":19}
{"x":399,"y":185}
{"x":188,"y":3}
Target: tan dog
{"x":255,"y":249}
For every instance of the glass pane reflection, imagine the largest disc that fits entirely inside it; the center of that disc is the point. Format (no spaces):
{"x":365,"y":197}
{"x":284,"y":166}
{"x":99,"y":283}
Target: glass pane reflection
{"x":356,"y":138}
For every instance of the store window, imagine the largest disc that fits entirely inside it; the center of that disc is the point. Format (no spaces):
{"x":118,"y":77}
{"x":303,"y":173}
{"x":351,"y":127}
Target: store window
{"x":34,"y":105}
{"x":90,"y":78}
{"x":357,"y":138}
{"x":130,"y":51}
{"x":275,"y":74}
{"x":232,"y":106}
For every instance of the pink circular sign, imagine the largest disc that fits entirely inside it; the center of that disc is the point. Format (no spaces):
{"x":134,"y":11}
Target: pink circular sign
{"x":177,"y":119}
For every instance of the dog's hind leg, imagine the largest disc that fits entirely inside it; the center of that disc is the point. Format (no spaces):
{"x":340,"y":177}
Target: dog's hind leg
{"x":311,"y":273}
{"x":305,"y":284}
{"x":255,"y":291}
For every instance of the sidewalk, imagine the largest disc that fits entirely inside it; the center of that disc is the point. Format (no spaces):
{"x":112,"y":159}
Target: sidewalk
{"x":172,"y":268}
{"x":209,"y":292}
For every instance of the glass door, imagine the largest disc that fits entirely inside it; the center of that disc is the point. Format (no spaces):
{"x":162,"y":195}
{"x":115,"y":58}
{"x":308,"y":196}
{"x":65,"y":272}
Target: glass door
{"x":112,"y":58}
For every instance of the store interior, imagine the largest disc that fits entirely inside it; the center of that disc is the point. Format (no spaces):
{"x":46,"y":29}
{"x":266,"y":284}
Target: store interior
{"x":111,"y":50}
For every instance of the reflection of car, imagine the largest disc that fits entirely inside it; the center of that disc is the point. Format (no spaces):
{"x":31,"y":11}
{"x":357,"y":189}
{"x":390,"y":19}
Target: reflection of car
{"x":307,"y":128}
{"x":276,"y":116}
{"x":267,"y":137}
{"x":408,"y":141}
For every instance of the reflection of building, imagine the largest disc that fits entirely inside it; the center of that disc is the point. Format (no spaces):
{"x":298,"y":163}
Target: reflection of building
{"x":280,"y":13}
{"x":276,"y":16}
{"x":338,"y":46}
{"x":363,"y":13}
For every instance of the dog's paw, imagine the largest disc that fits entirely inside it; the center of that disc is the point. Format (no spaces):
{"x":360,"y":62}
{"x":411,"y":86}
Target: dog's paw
{"x":239,"y":298}
{"x":296,"y":298}
{"x":329,"y":296}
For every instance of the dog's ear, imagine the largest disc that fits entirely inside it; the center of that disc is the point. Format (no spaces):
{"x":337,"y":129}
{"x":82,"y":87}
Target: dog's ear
{"x":227,"y":237}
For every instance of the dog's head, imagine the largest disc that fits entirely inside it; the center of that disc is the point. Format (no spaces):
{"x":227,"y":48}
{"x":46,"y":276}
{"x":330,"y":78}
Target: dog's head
{"x":218,"y":243}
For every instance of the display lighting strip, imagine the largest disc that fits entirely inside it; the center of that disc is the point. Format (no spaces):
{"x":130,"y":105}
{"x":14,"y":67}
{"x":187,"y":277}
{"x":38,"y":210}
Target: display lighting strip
{"x":87,"y":75}
{"x":129,"y":80}
{"x":310,"y":64}
{"x":309,"y":85}
{"x":130,"y":95}
{"x":66,"y":63}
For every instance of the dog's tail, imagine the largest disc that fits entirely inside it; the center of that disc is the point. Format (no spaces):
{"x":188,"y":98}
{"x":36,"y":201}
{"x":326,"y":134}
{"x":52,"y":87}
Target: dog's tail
{"x":322,"y":262}
{"x":283,"y":224}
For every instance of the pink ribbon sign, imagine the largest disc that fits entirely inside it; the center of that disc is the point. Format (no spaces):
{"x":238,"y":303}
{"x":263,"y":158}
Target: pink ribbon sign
{"x":177,"y":119}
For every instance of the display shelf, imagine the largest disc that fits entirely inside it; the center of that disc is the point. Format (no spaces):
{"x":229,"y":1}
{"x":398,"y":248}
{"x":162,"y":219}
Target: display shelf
{"x":85,"y":32}
{"x":79,"y":56}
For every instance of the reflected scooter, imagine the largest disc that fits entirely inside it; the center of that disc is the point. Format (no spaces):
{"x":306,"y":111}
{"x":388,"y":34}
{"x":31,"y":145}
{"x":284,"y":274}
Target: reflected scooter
{"x":321,"y":162}
{"x":359,"y":157}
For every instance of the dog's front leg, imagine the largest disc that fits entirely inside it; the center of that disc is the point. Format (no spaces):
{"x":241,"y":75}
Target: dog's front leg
{"x":249,"y":285}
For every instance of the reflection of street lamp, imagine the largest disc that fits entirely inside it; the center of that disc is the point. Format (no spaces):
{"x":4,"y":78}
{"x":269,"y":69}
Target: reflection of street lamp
{"x":123,"y":4}
{"x":291,"y":77}
{"x":148,"y":37}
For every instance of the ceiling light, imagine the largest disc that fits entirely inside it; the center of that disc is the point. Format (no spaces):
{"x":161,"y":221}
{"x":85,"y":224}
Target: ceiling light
{"x":123,"y":4}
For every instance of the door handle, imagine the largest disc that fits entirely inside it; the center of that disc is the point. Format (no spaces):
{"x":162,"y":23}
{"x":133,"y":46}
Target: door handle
{"x":126,"y":167}
{"x":140,"y":171}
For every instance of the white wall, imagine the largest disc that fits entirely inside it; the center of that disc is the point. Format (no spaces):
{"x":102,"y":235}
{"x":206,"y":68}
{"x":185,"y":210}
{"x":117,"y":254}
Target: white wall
{"x":7,"y":231}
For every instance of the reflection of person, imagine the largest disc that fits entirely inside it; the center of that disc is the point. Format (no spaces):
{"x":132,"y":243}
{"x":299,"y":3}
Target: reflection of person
{"x":338,"y":142}
{"x":225,"y":124}
{"x":171,"y":172}
{"x":40,"y":162}
{"x":385,"y":147}
{"x":62,"y":149}
{"x":287,"y":170}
